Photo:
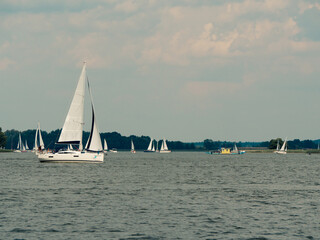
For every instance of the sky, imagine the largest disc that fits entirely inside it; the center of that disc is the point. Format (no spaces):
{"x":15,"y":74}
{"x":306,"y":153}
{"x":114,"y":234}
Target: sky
{"x":238,"y":70}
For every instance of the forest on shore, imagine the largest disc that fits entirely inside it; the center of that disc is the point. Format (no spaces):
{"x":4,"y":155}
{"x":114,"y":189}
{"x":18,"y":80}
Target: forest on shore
{"x":9,"y":140}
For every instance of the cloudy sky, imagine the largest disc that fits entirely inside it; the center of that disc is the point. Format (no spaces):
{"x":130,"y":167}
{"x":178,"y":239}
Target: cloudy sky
{"x":182,"y":69}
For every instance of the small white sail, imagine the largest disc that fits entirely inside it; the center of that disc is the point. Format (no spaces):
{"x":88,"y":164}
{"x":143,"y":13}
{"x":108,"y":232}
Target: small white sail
{"x":162,"y":146}
{"x":21,"y":146}
{"x":40,"y":138}
{"x":235,"y":148}
{"x":278,"y":145}
{"x":71,"y":132}
{"x":36,"y":140}
{"x":150,"y":145}
{"x":283,"y":145}
{"x":105,"y":145}
{"x":27,"y":147}
{"x":165,"y":147}
{"x":132,"y":146}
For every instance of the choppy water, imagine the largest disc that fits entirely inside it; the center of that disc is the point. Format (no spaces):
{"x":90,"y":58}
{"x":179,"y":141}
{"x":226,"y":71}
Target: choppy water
{"x":161,"y":196}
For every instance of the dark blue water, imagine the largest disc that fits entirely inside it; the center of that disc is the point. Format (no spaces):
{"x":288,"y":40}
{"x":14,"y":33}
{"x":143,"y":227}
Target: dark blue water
{"x":161,"y":196}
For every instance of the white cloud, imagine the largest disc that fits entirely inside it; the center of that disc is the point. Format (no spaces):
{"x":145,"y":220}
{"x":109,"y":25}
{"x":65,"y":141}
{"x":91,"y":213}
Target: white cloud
{"x":5,"y":63}
{"x":127,"y":6}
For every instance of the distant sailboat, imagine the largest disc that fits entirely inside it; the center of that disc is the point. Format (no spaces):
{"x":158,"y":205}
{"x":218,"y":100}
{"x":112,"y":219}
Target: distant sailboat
{"x":235,"y":150}
{"x":164,"y":147}
{"x":105,"y":146}
{"x":72,"y":131}
{"x":278,"y":146}
{"x":20,"y":146}
{"x":38,"y":141}
{"x":113,"y":150}
{"x":26,"y":145}
{"x":132,"y":147}
{"x":150,"y":147}
{"x":283,"y":149}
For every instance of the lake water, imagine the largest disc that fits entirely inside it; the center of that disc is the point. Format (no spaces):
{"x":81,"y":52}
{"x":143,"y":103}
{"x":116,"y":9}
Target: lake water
{"x":161,"y":196}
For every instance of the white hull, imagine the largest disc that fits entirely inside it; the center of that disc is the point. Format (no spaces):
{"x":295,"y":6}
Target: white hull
{"x":165,"y":151}
{"x":72,"y":156}
{"x":280,"y":152}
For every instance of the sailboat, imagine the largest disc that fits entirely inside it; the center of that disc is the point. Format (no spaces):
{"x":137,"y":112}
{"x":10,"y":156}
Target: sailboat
{"x":38,"y":139}
{"x":164,"y":147}
{"x":105,"y":149}
{"x":150,"y":147}
{"x":283,"y":149}
{"x":132,"y":147}
{"x":235,"y":150}
{"x":278,"y":146}
{"x":20,"y":146}
{"x":72,"y":131}
{"x":26,"y":145}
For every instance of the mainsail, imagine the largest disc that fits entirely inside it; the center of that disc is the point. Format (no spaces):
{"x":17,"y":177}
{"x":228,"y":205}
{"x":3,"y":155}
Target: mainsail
{"x":71,"y":132}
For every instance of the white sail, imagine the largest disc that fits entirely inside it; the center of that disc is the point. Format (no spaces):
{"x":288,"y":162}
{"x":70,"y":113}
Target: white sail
{"x":40,"y":138}
{"x":27,"y":147}
{"x":235,"y":148}
{"x":20,"y":144}
{"x":105,"y":145}
{"x":165,"y":147}
{"x":71,"y":132}
{"x":36,"y":140}
{"x":150,"y":145}
{"x":162,"y":147}
{"x":283,"y":146}
{"x":278,"y":145}
{"x":132,"y":146}
{"x":94,"y":142}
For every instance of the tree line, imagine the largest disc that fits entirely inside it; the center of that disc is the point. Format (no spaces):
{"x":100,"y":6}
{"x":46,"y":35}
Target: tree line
{"x":209,"y":144}
{"x":114,"y":140}
{"x":9,"y":140}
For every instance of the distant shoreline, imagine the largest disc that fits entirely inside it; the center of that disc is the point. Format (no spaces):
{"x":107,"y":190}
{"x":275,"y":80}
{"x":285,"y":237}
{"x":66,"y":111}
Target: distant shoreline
{"x":6,"y":150}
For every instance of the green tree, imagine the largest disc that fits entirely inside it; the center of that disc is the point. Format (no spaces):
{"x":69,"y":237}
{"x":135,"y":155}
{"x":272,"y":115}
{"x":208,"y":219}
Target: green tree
{"x":3,"y":139}
{"x":273,"y":143}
